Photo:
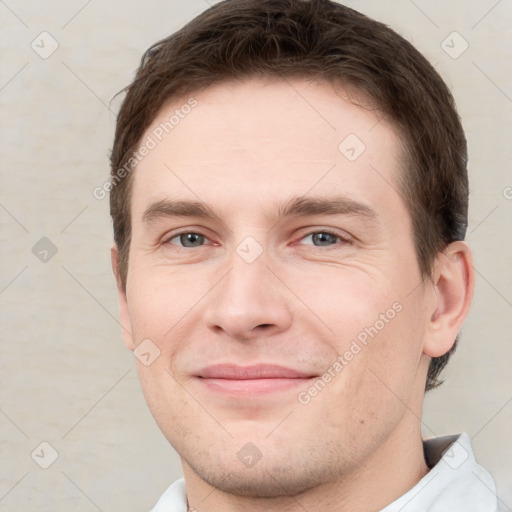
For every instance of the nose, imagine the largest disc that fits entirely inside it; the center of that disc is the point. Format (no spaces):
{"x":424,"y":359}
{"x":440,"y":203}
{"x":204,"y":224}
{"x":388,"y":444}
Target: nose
{"x":249,"y":302}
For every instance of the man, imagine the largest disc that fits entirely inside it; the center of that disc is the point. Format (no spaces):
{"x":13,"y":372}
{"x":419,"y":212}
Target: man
{"x":289,"y":198}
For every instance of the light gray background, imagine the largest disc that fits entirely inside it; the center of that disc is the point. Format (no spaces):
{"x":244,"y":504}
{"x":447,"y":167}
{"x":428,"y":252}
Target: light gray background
{"x":65,"y":375}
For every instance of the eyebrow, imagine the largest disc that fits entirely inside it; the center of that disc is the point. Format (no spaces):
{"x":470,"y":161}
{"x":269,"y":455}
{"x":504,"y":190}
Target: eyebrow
{"x":339,"y":205}
{"x":169,"y":208}
{"x":295,"y":207}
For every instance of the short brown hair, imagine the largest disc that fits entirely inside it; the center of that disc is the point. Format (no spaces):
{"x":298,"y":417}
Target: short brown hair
{"x":316,"y":39}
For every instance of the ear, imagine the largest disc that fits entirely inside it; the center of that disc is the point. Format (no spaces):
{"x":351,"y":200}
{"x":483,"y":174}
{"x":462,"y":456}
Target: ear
{"x":454,"y":282}
{"x":124,"y":313}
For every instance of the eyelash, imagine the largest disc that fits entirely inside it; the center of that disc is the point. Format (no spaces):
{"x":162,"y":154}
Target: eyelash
{"x":342,"y":239}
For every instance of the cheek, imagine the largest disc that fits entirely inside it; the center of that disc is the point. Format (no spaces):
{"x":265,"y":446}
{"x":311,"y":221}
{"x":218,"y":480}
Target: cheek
{"x":348,"y":301}
{"x":382,"y":378}
{"x":166,"y":401}
{"x":374,"y":389}
{"x":377,"y":330}
{"x":159,"y":300}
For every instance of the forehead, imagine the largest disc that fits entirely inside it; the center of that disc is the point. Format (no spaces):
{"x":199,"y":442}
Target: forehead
{"x":265,"y":140}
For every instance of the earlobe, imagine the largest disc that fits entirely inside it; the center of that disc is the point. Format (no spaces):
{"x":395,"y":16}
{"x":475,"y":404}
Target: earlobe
{"x":124,"y":313}
{"x":453,"y":286}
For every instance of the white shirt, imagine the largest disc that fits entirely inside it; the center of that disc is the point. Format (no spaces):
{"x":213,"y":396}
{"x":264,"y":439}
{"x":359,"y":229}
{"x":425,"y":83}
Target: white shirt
{"x":456,"y":483}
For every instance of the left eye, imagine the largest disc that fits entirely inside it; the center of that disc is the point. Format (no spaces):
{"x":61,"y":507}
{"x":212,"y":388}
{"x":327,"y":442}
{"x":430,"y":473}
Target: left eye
{"x":188,"y":240}
{"x":321,"y":239}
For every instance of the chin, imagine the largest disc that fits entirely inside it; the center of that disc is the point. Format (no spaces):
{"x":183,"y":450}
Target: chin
{"x":264,"y":480}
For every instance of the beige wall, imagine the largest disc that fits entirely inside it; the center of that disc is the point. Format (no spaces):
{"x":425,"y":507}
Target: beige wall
{"x":65,"y":376}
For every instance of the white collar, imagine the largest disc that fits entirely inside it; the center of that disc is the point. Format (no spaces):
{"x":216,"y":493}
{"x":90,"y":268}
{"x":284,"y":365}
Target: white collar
{"x":456,"y":482}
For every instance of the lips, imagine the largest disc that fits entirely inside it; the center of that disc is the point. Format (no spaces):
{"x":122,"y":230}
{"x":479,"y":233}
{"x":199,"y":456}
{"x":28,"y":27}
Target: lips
{"x":253,"y":380}
{"x":259,"y":371}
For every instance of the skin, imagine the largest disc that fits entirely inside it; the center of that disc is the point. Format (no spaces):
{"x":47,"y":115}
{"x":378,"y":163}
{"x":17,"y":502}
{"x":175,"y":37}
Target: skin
{"x":246,"y":150}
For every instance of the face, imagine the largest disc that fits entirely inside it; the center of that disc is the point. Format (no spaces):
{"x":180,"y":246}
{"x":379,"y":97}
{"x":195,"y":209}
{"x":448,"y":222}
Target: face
{"x":273,"y":287}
